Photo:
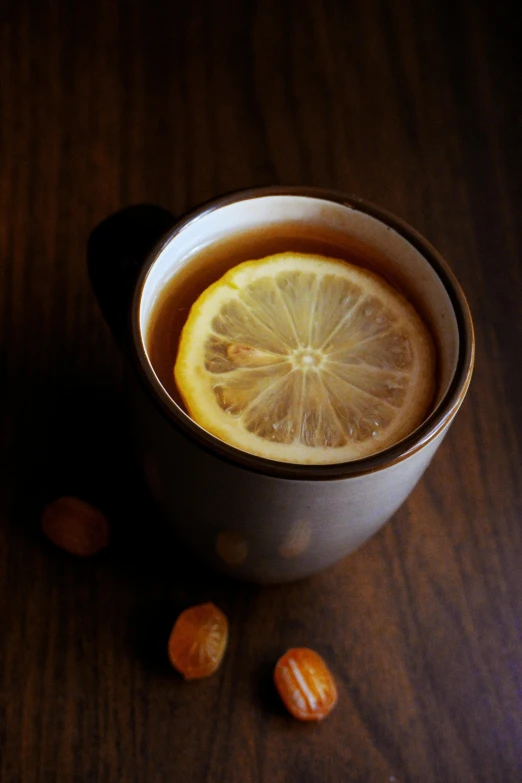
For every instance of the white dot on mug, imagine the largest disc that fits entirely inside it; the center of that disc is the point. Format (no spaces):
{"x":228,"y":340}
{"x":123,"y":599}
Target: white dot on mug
{"x":231,"y":547}
{"x":152,"y":476}
{"x":297,"y":539}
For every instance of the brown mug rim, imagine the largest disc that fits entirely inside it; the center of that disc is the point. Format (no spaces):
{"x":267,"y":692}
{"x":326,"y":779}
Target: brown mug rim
{"x":430,"y":428}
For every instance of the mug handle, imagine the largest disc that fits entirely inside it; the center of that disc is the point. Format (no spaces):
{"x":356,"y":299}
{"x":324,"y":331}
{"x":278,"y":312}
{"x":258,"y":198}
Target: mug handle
{"x":116,"y":251}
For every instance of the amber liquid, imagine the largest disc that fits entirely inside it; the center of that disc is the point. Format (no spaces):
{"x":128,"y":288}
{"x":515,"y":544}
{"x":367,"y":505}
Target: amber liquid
{"x":209,"y":263}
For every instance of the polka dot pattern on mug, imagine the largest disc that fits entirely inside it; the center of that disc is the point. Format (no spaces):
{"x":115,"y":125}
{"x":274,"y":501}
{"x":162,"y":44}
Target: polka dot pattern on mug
{"x":231,"y":547}
{"x":297,"y":539}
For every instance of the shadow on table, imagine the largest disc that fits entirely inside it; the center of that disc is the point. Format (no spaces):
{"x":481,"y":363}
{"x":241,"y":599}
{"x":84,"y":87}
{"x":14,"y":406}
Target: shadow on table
{"x":81,"y":446}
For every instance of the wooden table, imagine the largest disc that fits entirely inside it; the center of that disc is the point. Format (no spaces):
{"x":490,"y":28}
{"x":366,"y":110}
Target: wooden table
{"x":415,"y":106}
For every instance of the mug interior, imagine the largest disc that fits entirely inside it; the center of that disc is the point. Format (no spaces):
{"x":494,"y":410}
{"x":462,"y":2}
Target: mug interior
{"x":427,"y":281}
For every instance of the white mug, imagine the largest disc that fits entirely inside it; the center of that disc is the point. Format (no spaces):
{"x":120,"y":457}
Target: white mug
{"x":257,"y":519}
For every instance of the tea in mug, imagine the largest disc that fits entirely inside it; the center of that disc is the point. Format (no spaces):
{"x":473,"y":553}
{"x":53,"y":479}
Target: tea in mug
{"x":294,"y":345}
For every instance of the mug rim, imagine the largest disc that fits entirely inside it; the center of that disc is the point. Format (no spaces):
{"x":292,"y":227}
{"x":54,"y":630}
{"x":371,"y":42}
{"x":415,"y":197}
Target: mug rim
{"x":428,"y":430}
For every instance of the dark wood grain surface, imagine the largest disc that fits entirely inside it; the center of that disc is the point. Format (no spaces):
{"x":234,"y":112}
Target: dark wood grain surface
{"x":413,"y":105}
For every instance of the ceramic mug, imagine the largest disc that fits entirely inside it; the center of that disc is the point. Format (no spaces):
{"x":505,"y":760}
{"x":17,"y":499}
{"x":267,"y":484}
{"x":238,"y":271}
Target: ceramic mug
{"x":254,"y":518}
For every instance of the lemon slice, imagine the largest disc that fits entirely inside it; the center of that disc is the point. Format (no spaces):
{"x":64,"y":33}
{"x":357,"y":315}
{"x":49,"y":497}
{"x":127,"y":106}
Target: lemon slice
{"x":305,"y":359}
